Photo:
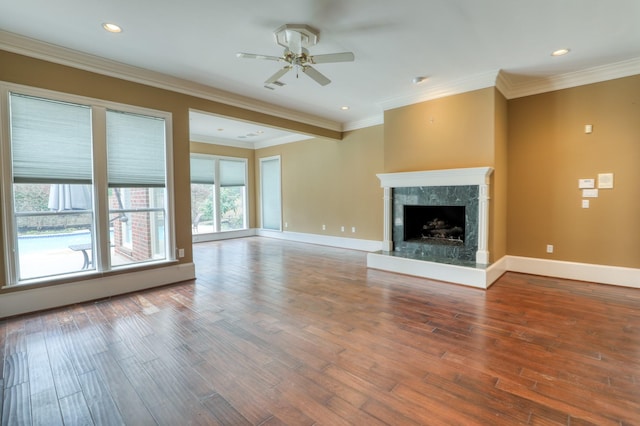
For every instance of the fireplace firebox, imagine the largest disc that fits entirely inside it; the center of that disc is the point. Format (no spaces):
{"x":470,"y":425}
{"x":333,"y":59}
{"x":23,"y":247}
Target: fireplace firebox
{"x":443,"y":225}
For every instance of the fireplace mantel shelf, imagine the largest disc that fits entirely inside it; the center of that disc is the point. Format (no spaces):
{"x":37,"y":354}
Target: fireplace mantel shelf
{"x":448,"y":177}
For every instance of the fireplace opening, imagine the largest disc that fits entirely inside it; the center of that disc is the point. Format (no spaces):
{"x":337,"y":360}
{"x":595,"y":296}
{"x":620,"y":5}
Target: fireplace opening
{"x":434,"y":224}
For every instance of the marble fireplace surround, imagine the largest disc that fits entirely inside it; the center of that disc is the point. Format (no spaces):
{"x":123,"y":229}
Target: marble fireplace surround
{"x":449,"y":270}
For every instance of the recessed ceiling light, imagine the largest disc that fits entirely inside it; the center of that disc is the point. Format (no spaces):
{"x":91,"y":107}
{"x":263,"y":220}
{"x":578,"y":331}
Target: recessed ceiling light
{"x":260,"y":132}
{"x":560,"y":52}
{"x":419,"y":79}
{"x":344,"y":108}
{"x":112,"y":28}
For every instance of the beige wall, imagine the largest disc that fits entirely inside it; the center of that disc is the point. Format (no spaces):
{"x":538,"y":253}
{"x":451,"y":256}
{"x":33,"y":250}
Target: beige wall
{"x":549,"y":152}
{"x":446,"y":133}
{"x":229,"y":151}
{"x":332,"y":183}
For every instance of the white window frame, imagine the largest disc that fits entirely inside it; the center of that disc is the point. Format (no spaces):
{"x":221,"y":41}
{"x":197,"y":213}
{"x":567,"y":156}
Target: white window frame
{"x":100,"y":184}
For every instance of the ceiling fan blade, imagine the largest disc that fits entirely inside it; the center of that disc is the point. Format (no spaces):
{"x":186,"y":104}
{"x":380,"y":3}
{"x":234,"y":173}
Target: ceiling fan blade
{"x":332,"y":57}
{"x":256,"y":56}
{"x":316,"y":75}
{"x":277,"y":75}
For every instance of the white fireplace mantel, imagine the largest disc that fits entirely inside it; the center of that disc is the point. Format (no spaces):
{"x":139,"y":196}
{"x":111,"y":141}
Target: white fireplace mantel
{"x":451,"y":177}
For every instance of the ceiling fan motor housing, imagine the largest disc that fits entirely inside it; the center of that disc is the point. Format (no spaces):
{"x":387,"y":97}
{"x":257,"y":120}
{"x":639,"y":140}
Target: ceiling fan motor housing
{"x":307,"y":35}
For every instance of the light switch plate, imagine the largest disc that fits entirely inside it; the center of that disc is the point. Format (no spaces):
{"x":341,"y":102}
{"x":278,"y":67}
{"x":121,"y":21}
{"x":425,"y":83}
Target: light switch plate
{"x":585,"y":204}
{"x":586,"y":183}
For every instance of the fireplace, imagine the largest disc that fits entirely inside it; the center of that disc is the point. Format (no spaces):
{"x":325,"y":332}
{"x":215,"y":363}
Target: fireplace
{"x":436,"y":225}
{"x":442,"y":225}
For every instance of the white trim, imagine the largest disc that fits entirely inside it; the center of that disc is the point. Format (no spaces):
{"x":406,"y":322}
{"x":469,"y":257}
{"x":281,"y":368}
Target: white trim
{"x":527,"y":86}
{"x":37,"y":299}
{"x":364,"y":123}
{"x":49,"y":52}
{"x":224,"y":235}
{"x":324,"y":240}
{"x":602,"y":274}
{"x":448,"y":177}
{"x":449,"y":88}
{"x":465,"y":275}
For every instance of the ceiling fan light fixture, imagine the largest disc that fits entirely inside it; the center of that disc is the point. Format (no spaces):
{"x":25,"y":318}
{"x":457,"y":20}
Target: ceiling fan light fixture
{"x":560,"y":52}
{"x":111,"y":27}
{"x":419,"y":79}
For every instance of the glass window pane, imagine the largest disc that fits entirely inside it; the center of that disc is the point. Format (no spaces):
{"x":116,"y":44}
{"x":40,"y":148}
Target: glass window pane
{"x":52,"y":239}
{"x":232,"y":208}
{"x":202,"y":208}
{"x":137,"y":218}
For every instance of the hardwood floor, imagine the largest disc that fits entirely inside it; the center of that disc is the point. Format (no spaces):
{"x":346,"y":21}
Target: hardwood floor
{"x":275,"y":333}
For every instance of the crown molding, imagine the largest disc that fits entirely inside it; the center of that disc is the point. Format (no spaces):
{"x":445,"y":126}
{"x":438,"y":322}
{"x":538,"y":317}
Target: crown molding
{"x":366,"y":122}
{"x":60,"y":55}
{"x":511,"y":89}
{"x":249,"y":145}
{"x":449,"y":88}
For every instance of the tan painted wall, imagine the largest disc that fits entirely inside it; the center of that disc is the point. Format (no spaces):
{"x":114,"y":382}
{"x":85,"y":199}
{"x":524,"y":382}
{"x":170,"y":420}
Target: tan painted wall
{"x":32,"y":72}
{"x":332,"y":183}
{"x":452,"y":132}
{"x":229,"y":151}
{"x":549,"y":152}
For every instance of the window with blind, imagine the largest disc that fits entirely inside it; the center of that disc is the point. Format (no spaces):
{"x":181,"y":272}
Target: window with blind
{"x":218,"y":193}
{"x":85,"y":183}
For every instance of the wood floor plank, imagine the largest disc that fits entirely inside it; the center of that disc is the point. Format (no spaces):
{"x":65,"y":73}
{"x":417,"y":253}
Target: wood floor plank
{"x":74,"y":410}
{"x":16,"y":405}
{"x":281,"y":333}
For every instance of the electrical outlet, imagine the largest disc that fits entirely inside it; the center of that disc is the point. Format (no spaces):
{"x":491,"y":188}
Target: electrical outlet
{"x":549,"y":248}
{"x":353,"y":229}
{"x":180,"y":252}
{"x":324,"y":227}
{"x":286,"y":224}
{"x":342,"y":229}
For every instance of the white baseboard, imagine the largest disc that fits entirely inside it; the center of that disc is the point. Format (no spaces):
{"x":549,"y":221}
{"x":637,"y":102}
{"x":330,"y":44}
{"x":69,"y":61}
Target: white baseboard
{"x":602,"y":274}
{"x":324,"y":240}
{"x":37,"y":299}
{"x":226,"y":235}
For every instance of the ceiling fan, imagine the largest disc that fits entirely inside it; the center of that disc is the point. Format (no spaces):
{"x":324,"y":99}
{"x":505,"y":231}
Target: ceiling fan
{"x":295,"y":38}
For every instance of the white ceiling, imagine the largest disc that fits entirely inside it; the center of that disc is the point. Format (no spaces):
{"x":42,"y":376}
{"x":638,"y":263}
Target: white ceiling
{"x":457,"y":44}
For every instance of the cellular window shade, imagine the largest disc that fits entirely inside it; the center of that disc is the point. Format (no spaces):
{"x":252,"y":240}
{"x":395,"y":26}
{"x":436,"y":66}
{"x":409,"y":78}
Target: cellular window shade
{"x":50,"y":141}
{"x":202,"y":170}
{"x":232,"y":173}
{"x":135,"y":150}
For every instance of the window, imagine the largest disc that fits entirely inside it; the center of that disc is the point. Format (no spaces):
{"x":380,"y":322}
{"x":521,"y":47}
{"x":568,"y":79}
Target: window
{"x":84,"y":184}
{"x":222,"y":206}
{"x":270,"y":197}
